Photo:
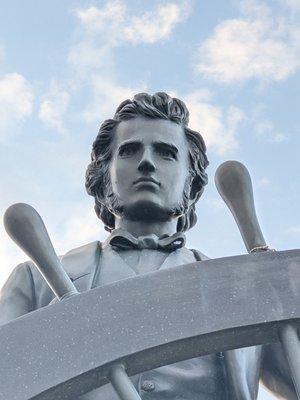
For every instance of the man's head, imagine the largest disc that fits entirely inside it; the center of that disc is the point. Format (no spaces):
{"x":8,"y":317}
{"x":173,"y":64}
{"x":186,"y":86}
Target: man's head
{"x":146,"y":162}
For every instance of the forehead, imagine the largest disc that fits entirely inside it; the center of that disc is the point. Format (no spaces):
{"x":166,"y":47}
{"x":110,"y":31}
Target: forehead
{"x":147,"y":131}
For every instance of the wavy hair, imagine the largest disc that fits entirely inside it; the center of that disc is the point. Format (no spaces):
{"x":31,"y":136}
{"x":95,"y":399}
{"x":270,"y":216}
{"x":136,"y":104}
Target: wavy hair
{"x":159,"y":105}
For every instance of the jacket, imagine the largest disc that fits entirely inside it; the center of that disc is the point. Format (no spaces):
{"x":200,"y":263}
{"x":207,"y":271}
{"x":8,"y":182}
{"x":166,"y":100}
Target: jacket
{"x":88,"y":266}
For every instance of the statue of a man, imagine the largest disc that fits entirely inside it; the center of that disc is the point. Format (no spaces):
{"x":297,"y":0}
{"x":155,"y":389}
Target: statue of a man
{"x":146,"y":175}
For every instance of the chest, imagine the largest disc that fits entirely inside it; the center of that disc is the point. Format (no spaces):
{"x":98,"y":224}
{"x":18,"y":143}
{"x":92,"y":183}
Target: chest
{"x":114,"y":266}
{"x":143,"y":261}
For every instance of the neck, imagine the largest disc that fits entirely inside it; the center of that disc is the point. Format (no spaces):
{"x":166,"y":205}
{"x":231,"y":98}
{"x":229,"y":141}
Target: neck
{"x":144,"y":228}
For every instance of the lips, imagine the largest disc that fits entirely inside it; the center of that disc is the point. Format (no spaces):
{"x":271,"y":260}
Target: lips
{"x":146,"y":180}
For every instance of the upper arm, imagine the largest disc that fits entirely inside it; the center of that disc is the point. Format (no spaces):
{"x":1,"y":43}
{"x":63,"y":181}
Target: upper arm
{"x":17,"y":295}
{"x":276,"y":374}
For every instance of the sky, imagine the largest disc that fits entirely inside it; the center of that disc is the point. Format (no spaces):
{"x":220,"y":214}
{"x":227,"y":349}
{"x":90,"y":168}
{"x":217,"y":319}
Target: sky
{"x":66,"y":66}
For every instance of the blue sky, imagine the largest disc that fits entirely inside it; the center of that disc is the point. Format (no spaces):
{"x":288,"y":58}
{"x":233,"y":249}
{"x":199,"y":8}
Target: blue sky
{"x":65,"y":66}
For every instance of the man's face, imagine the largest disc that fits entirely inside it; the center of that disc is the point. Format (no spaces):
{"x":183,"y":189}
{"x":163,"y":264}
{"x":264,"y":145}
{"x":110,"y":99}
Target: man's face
{"x":149,"y":168}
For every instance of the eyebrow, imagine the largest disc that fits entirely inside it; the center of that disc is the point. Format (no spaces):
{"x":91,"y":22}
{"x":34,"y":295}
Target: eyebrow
{"x":129,"y":142}
{"x":166,"y":144}
{"x":158,"y":143}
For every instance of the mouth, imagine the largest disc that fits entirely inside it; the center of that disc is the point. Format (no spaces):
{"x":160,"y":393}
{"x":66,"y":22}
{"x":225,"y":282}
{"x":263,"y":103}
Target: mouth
{"x":146,"y":180}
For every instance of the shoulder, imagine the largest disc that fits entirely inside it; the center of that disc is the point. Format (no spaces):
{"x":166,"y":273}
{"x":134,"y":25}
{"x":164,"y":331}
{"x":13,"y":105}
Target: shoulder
{"x":76,"y":262}
{"x":17,"y":296}
{"x":26,"y":290}
{"x":22,"y":273}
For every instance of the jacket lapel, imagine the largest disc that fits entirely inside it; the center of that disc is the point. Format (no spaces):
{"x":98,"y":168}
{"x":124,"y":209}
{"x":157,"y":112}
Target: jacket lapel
{"x":111,"y":268}
{"x":81,"y":263}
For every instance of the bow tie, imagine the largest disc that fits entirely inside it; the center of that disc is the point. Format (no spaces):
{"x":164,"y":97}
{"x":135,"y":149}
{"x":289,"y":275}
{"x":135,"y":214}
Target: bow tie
{"x":123,"y":240}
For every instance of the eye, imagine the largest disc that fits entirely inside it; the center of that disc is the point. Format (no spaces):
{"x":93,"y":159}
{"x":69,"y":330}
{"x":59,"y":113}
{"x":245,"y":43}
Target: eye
{"x":166,"y":153}
{"x":127,"y":150}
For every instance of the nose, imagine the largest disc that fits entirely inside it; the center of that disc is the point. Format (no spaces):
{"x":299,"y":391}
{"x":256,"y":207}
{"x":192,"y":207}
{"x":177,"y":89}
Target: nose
{"x":146,"y":164}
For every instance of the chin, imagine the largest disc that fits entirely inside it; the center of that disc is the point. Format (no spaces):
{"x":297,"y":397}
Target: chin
{"x":145,"y":210}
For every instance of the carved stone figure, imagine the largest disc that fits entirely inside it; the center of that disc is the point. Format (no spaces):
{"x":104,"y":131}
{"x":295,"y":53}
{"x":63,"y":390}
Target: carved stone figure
{"x":146,"y":174}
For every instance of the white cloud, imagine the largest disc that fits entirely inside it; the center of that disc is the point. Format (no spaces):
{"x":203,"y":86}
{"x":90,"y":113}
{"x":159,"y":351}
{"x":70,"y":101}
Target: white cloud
{"x":112,"y":25}
{"x":105,"y":28}
{"x":107,"y":95}
{"x":217,"y":126}
{"x":102,"y":30}
{"x":294,"y":230}
{"x":82,"y":228}
{"x":115,"y":20}
{"x":16,"y":102}
{"x":267,"y":130}
{"x":95,"y":20}
{"x":260,"y":44}
{"x":156,"y":25}
{"x":293,"y":5}
{"x":53,"y":107}
{"x":215,"y":203}
{"x":86,"y":57}
{"x":100,"y":34}
{"x":263,"y":182}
